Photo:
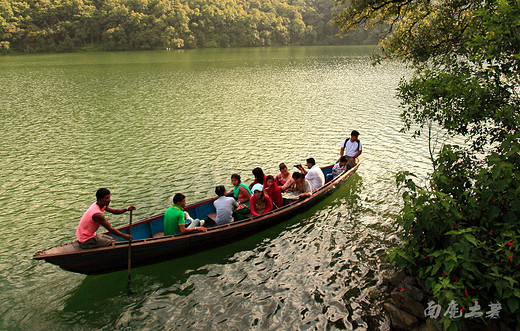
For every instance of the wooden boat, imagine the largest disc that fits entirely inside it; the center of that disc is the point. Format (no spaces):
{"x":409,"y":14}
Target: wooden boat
{"x":149,"y":249}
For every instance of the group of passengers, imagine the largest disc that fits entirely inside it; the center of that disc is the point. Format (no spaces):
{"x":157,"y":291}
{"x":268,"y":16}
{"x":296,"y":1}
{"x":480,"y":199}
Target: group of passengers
{"x":262,"y":196}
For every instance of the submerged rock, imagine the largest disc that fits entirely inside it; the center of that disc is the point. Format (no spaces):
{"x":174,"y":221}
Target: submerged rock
{"x":401,"y":320}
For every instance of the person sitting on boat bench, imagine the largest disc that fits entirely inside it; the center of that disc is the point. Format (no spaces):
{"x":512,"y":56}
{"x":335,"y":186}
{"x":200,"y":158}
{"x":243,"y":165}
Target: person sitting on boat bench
{"x":301,"y":185}
{"x":260,"y":202}
{"x":315,"y":176}
{"x":242,"y":194}
{"x":274,"y":192}
{"x":352,"y":149}
{"x":224,"y":205}
{"x":339,"y":167}
{"x":260,"y":177}
{"x":175,"y":221}
{"x":284,"y":178}
{"x":93,"y":217}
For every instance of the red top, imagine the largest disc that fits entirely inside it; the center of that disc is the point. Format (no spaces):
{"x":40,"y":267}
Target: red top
{"x":252,"y":205}
{"x":275,"y":193}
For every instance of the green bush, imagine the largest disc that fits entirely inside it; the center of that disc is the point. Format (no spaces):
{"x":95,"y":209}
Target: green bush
{"x":462,"y":235}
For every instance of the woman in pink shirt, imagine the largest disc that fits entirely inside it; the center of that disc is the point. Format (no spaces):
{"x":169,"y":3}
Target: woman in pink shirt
{"x":284,"y":178}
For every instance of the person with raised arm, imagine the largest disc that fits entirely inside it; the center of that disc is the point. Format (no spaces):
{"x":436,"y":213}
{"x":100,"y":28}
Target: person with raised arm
{"x":94,"y":217}
{"x":314,"y":175}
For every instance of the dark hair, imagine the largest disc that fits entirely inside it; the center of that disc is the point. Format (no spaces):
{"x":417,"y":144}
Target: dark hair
{"x":178,"y":198}
{"x":269,"y":177}
{"x":354,"y":133}
{"x":101,"y":193}
{"x":282,"y":166}
{"x":296,"y":175}
{"x":259,"y":175}
{"x":236,"y":176}
{"x":220,"y":190}
{"x":311,"y":161}
{"x":343,"y":159}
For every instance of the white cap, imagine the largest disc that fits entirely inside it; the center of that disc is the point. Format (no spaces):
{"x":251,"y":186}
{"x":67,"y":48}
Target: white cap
{"x":257,"y":187}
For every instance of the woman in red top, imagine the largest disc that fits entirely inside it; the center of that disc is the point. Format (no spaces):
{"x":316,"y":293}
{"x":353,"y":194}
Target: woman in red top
{"x":274,"y":191}
{"x":260,"y":203}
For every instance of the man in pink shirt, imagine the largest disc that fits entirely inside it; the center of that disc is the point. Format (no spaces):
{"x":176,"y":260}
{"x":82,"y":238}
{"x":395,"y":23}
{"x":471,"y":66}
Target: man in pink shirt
{"x":93,"y":217}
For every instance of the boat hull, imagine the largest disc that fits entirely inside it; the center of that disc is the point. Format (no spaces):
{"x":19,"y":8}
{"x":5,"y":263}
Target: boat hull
{"x":152,"y":250}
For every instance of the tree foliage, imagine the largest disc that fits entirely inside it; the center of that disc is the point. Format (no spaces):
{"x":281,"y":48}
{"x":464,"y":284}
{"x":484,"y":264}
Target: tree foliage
{"x":461,"y":234}
{"x":68,"y":25}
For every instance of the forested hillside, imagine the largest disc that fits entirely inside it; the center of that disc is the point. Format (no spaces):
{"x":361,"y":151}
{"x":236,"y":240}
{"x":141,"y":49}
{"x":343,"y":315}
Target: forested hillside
{"x":69,"y":25}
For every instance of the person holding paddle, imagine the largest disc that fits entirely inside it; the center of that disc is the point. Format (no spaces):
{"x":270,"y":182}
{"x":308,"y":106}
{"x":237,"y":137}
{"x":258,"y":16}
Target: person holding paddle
{"x":93,"y":218}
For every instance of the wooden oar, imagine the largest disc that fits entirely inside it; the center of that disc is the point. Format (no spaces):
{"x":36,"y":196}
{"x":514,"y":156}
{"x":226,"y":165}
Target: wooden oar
{"x":128,"y":287}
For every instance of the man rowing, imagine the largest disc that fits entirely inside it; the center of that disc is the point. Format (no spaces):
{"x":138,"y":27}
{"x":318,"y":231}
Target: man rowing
{"x":94,"y":217}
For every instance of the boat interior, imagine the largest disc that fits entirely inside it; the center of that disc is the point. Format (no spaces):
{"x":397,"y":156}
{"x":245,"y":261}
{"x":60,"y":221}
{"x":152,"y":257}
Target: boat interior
{"x":153,"y":226}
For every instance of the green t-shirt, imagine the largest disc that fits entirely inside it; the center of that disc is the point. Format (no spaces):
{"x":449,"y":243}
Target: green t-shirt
{"x":173,"y":217}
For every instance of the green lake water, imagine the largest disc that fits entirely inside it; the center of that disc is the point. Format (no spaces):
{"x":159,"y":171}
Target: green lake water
{"x":147,"y":125}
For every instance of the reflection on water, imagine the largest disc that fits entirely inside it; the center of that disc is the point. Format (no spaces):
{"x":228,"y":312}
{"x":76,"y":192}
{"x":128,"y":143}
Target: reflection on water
{"x":150,"y":124}
{"x":312,"y":271}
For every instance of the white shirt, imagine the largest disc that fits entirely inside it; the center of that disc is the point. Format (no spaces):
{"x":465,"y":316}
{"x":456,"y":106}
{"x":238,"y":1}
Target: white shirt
{"x":225,"y":207}
{"x":351,"y":148}
{"x":316,"y":177}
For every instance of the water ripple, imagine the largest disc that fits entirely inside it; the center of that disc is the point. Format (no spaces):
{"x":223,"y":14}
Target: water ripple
{"x":148,"y":125}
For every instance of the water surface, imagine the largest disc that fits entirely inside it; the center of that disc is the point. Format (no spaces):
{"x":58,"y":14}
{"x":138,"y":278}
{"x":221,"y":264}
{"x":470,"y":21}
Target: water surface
{"x":150,"y":124}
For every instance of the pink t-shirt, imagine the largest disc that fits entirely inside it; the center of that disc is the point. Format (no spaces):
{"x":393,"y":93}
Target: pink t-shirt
{"x":87,"y":226}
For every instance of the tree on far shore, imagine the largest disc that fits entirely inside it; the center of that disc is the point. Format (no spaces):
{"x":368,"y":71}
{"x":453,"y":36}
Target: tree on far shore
{"x":69,"y":25}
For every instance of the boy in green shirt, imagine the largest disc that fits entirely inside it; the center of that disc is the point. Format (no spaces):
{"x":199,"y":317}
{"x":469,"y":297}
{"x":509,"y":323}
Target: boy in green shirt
{"x":174,"y":220}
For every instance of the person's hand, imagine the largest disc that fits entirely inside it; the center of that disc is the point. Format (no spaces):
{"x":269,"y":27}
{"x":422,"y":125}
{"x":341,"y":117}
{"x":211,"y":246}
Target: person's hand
{"x":127,"y":236}
{"x":304,"y":196}
{"x":130,"y":208}
{"x":201,"y":228}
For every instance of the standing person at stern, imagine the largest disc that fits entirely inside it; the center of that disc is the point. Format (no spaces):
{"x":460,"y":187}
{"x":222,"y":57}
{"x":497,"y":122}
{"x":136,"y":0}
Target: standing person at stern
{"x":351,"y":148}
{"x":93,"y":218}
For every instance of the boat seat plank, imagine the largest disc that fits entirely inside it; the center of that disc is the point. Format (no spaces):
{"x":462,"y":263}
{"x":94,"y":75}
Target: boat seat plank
{"x":212,"y":216}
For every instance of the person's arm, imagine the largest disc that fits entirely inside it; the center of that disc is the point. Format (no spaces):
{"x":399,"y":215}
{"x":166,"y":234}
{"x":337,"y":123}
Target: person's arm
{"x":278,"y":179}
{"x":308,"y":190}
{"x":304,"y":196}
{"x":252,"y":206}
{"x":288,"y":184}
{"x":341,"y":151}
{"x":303,"y":171}
{"x":119,"y":211}
{"x":184,"y":229}
{"x":235,"y":204}
{"x":100,"y":218}
{"x":268,"y":205}
{"x":244,"y":193}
